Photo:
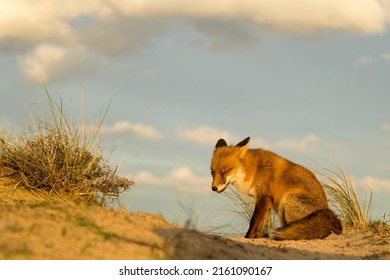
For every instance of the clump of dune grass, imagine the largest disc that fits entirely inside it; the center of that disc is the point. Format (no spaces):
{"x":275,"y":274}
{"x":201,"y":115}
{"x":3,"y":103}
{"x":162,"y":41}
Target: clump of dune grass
{"x":342,"y":196}
{"x":53,"y":156}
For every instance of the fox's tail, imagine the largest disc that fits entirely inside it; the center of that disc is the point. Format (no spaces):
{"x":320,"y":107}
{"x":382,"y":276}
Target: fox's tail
{"x":317,"y":225}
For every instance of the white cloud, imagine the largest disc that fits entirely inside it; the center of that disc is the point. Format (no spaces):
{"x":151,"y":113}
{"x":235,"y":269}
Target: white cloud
{"x":147,"y":178}
{"x":385,"y":5}
{"x":137,"y":129}
{"x":205,"y":135}
{"x":307,"y":143}
{"x":370,"y":59}
{"x":375,"y":184}
{"x":43,"y":19}
{"x":52,"y":63}
{"x":260,"y":143}
{"x":39,"y":63}
{"x":111,"y":27}
{"x":365,"y":16}
{"x":181,"y":179}
{"x":27,"y":21}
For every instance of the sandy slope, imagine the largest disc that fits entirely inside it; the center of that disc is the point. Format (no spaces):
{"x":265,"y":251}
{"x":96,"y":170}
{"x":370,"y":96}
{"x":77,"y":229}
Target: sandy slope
{"x":51,"y":230}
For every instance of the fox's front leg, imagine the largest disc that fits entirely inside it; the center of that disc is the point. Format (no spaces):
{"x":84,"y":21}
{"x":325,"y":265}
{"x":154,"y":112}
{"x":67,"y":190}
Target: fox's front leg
{"x":260,"y":215}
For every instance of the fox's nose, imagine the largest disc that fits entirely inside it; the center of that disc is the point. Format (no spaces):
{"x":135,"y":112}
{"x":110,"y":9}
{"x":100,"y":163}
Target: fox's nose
{"x":214,"y":188}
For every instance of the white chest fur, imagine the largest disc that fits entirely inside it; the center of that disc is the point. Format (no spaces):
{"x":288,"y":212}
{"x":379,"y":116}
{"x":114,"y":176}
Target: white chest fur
{"x":244,"y":186}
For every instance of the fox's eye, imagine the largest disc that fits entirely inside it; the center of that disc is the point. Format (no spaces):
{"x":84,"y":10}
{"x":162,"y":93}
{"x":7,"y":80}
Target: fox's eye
{"x":212,"y":173}
{"x":226,"y":171}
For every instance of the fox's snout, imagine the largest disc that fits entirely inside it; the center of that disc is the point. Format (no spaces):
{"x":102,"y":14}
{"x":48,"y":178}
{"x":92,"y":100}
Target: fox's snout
{"x":219,"y":187}
{"x":218,"y":183}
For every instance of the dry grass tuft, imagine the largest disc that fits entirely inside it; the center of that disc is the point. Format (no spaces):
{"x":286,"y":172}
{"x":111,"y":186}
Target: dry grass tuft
{"x":342,"y":195}
{"x":54,"y":156}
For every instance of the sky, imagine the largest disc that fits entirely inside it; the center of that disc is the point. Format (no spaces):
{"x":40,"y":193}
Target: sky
{"x":306,"y":79}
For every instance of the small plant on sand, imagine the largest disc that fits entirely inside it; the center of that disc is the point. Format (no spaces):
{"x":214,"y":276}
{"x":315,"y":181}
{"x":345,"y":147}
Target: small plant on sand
{"x":54,"y":156}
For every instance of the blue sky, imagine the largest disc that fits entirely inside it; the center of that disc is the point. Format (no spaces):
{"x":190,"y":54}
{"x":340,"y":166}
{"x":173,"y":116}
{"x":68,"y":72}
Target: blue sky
{"x":305,"y":79}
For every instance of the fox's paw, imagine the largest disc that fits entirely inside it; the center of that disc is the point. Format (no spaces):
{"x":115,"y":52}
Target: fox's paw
{"x":252,"y":234}
{"x":256,"y":235}
{"x":249,"y":235}
{"x":274,"y":234}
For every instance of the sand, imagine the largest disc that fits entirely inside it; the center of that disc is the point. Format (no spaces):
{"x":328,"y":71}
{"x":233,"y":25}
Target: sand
{"x":32,"y":228}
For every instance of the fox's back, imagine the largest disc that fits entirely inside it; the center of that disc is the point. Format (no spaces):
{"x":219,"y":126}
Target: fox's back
{"x":279,"y":176}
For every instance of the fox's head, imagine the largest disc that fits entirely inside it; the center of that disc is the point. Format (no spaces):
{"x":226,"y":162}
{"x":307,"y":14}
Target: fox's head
{"x":226,"y":163}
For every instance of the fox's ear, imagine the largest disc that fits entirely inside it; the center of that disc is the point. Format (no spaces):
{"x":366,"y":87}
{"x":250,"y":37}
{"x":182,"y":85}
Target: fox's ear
{"x":244,"y":142}
{"x":221,"y":143}
{"x":243,"y":145}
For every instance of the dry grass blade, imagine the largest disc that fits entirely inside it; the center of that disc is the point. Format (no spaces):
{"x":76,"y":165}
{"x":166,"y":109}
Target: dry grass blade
{"x":242,"y":205}
{"x":54,"y":156}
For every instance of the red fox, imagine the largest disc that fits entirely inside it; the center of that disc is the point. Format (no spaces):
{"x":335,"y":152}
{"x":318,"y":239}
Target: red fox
{"x":290,"y":189}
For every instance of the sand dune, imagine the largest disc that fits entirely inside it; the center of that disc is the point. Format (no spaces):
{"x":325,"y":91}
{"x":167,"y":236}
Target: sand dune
{"x":36,"y":229}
